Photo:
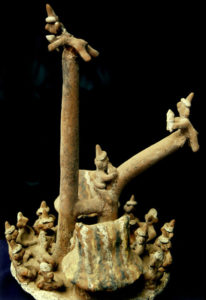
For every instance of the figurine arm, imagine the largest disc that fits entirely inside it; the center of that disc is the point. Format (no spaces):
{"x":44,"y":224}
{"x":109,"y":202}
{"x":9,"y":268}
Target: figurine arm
{"x":109,"y":177}
{"x":151,"y":155}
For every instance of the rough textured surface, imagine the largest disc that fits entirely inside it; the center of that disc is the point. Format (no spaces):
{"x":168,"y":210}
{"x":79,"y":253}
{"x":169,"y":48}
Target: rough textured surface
{"x":44,"y":295}
{"x":72,"y":295}
{"x":103,"y":257}
{"x":77,"y":261}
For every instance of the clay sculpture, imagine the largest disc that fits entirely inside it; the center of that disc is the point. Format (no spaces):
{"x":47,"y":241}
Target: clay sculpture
{"x":74,"y":260}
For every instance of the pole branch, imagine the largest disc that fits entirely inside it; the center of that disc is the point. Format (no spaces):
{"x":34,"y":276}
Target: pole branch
{"x":151,"y":155}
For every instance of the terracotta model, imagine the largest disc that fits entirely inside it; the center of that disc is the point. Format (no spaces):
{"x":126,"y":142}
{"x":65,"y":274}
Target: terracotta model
{"x":117,"y":256}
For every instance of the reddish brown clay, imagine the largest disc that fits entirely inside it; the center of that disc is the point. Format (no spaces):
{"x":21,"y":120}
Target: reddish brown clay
{"x":77,"y":261}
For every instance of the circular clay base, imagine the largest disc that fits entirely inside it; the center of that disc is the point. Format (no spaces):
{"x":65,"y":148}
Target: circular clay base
{"x":71,"y":294}
{"x":38,"y":294}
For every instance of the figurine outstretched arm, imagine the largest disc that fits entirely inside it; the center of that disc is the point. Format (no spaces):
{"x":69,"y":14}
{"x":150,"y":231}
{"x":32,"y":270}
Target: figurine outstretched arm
{"x":151,"y":155}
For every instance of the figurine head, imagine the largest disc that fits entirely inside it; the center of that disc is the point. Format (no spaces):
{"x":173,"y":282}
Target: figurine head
{"x":101,"y":160}
{"x":168,"y":227}
{"x":183,"y":106}
{"x":42,"y":208}
{"x":130,"y":205}
{"x":21,"y":220}
{"x":164,"y":242}
{"x":151,"y":216}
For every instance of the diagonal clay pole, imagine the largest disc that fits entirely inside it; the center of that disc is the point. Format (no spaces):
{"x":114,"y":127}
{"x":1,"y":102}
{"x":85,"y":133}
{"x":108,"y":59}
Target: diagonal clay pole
{"x":69,"y":144}
{"x":151,"y":155}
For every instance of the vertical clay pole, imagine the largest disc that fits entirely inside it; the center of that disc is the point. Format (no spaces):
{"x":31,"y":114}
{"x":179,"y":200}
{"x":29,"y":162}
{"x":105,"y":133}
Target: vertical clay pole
{"x":69,"y":150}
{"x":69,"y":145}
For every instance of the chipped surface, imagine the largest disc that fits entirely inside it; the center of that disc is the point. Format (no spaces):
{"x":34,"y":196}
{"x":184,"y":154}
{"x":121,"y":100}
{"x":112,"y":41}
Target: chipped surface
{"x":114,"y":252}
{"x":103,"y":257}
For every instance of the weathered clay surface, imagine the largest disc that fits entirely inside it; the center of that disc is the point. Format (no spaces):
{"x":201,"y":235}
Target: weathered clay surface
{"x":72,"y":260}
{"x":33,"y":290}
{"x":71,"y":294}
{"x":103,"y":257}
{"x":106,"y":256}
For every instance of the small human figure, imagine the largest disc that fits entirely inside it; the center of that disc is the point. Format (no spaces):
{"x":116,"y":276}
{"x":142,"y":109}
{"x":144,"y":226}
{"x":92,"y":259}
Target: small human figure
{"x":11,"y":232}
{"x":163,"y":242}
{"x":150,"y":219}
{"x":105,"y":171}
{"x":182,"y":122}
{"x":141,"y":235}
{"x":45,"y":221}
{"x":26,"y":274}
{"x":48,"y":282}
{"x":130,"y":207}
{"x":159,"y":257}
{"x":16,"y":252}
{"x":168,"y":228}
{"x":153,"y":271}
{"x":26,"y":234}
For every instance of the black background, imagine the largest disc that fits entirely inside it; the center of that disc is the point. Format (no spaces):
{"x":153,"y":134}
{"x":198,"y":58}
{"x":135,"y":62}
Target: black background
{"x":151,"y":55}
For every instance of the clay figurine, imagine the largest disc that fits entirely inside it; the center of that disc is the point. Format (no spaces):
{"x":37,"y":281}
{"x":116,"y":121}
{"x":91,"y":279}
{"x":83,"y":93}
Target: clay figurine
{"x":73,"y":260}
